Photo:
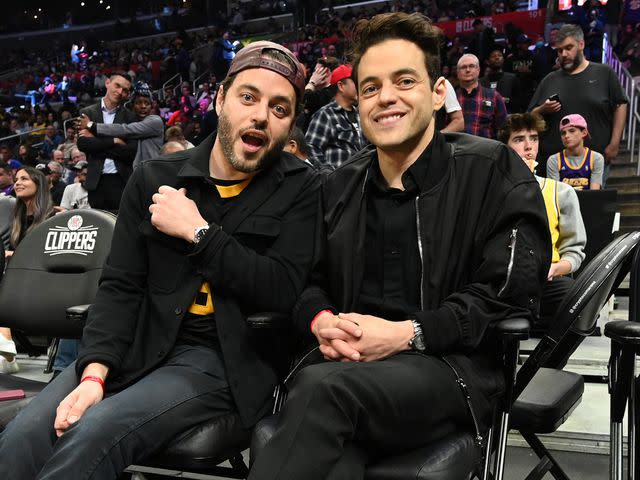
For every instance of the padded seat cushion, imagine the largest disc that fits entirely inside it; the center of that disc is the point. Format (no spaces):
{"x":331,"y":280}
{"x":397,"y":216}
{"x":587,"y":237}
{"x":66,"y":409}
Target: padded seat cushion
{"x":452,"y":457}
{"x":204,"y":446}
{"x":10,"y":408}
{"x":547,"y":401}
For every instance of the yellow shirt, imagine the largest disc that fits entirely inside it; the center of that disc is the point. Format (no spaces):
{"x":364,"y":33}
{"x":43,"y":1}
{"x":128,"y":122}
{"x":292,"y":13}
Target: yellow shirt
{"x":203,"y":301}
{"x":549,"y":189}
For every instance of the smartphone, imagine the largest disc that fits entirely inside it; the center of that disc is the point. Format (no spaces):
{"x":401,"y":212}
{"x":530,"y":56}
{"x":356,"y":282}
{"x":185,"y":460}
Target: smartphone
{"x":12,"y":394}
{"x":554,"y":98}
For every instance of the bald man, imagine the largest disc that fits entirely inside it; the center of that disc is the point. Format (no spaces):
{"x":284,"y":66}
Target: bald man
{"x":483,"y":108}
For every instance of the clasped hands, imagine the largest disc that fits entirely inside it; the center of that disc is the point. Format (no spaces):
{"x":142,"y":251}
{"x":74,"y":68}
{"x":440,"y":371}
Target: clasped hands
{"x":352,"y":337}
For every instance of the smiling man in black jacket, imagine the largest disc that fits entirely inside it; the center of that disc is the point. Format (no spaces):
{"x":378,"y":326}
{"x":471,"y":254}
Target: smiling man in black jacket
{"x":428,"y":240}
{"x":203,"y":238}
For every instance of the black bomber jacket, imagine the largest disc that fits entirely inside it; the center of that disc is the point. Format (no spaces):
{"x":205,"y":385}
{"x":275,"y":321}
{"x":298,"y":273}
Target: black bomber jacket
{"x":484,"y":244}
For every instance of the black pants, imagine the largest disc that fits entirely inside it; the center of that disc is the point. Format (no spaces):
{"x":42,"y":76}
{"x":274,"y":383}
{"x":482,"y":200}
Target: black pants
{"x":553,"y":294}
{"x":188,"y":389}
{"x":107,"y":193}
{"x":339,"y":415}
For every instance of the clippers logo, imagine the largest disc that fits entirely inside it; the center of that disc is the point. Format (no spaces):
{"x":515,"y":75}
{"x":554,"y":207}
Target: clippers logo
{"x":73,"y":239}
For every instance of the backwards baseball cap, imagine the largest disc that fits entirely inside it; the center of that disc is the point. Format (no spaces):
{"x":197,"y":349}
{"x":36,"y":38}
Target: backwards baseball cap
{"x":254,"y":56}
{"x":340,"y":73}
{"x":574,"y":120}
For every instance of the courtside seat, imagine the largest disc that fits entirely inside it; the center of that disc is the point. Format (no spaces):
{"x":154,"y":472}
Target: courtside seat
{"x":56,"y":266}
{"x":454,"y":456}
{"x":547,"y":401}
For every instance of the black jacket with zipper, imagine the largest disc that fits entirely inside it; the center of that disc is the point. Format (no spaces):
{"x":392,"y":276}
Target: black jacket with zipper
{"x":258,"y":259}
{"x":484,"y":245}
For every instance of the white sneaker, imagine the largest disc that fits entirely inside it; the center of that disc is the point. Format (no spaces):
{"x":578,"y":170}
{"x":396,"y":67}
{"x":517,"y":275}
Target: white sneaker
{"x":7,"y":348}
{"x":9,"y":367}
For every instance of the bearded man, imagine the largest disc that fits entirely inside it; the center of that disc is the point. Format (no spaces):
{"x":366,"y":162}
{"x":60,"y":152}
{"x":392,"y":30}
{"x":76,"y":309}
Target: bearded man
{"x":204,"y":238}
{"x":580,"y":86}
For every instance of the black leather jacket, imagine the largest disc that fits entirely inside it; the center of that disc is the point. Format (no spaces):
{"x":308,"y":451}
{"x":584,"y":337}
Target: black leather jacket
{"x":484,"y":244}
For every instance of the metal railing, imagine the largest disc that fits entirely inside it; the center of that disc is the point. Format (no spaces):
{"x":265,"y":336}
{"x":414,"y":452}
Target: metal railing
{"x":23,"y":134}
{"x":632,"y":89}
{"x":197,"y":80}
{"x":168,"y":84}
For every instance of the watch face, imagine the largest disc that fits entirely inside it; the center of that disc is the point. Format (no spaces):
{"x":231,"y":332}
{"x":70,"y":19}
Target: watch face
{"x":418,"y":343}
{"x":200,"y":233}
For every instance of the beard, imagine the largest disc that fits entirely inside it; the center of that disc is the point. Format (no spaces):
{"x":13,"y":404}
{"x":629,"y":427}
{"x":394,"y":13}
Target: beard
{"x":577,"y":60}
{"x":264,"y":161}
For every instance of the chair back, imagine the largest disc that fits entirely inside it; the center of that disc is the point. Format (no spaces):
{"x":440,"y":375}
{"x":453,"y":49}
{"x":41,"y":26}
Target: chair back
{"x":56,"y":266}
{"x":577,"y":314}
{"x":598,"y":209}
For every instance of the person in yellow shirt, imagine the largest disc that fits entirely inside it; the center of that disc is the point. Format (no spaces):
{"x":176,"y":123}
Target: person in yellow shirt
{"x":568,"y":236}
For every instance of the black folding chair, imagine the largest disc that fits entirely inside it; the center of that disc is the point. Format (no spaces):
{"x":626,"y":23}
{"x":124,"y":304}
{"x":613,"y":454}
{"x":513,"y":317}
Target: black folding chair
{"x":545,"y":394}
{"x":623,"y":381}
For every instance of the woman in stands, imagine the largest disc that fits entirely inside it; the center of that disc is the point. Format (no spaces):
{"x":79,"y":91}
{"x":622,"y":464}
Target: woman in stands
{"x":33,"y":206}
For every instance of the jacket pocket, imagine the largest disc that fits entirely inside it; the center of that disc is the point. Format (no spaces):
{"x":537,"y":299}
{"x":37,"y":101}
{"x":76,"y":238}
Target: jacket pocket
{"x":165,"y":255}
{"x":522,"y":282}
{"x":258,"y":232}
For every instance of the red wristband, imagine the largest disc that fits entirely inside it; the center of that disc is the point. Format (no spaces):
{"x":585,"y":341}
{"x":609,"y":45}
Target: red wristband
{"x":316,"y":317}
{"x":93,"y":378}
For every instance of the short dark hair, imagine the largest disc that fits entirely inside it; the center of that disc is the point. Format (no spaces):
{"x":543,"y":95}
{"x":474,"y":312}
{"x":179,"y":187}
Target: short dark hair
{"x":521,"y":121}
{"x":124,"y":75}
{"x":413,"y":27}
{"x":5,"y":166}
{"x":297,"y":136}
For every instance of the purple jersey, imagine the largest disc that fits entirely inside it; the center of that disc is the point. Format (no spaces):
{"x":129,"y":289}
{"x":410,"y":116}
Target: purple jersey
{"x":578,"y":177}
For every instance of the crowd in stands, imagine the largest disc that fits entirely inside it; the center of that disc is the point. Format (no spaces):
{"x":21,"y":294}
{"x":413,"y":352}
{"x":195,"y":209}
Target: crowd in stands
{"x":91,"y":120}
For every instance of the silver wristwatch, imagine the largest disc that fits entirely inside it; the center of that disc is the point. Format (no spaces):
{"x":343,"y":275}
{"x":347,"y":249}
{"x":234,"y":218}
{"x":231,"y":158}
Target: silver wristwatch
{"x":417,"y":342}
{"x":199,"y":233}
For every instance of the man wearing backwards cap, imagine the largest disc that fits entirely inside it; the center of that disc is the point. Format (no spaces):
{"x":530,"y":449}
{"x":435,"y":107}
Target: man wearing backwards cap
{"x":576,"y":165}
{"x":148,"y":130}
{"x":334,"y":131}
{"x":202,"y":240}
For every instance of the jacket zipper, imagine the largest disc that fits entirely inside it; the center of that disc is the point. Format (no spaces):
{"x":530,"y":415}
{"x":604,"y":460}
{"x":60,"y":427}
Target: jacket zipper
{"x":421,"y":255}
{"x":459,"y":380}
{"x":467,"y":396}
{"x":512,"y":247}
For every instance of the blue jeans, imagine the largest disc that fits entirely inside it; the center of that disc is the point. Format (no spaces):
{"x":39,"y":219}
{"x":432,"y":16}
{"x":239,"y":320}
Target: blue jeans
{"x":66,"y":354}
{"x":190,"y":387}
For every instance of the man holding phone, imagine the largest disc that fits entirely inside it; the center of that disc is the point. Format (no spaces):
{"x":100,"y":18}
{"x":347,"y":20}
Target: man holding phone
{"x":586,"y":88}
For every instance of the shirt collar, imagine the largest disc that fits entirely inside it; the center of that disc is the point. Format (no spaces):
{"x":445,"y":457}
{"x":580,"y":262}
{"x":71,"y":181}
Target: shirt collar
{"x":104,"y":108}
{"x":421,"y":175}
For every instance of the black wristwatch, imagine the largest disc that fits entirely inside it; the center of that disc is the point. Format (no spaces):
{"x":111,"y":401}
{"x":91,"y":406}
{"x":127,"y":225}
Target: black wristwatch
{"x":417,"y":342}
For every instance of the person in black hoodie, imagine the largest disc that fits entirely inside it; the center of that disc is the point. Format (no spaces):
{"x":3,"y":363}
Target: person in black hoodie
{"x":427,"y":240}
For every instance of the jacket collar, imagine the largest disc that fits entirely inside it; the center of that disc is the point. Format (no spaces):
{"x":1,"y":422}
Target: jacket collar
{"x":197,"y":164}
{"x":263,"y":185}
{"x":428,"y":169}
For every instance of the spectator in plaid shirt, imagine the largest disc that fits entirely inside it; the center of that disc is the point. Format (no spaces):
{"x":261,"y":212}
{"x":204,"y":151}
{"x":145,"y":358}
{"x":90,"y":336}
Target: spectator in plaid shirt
{"x":483,"y":108}
{"x":334,"y":132}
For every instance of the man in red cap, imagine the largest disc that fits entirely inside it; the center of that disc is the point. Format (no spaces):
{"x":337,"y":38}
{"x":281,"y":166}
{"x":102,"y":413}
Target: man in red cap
{"x":217,"y":232}
{"x":334,"y":133}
